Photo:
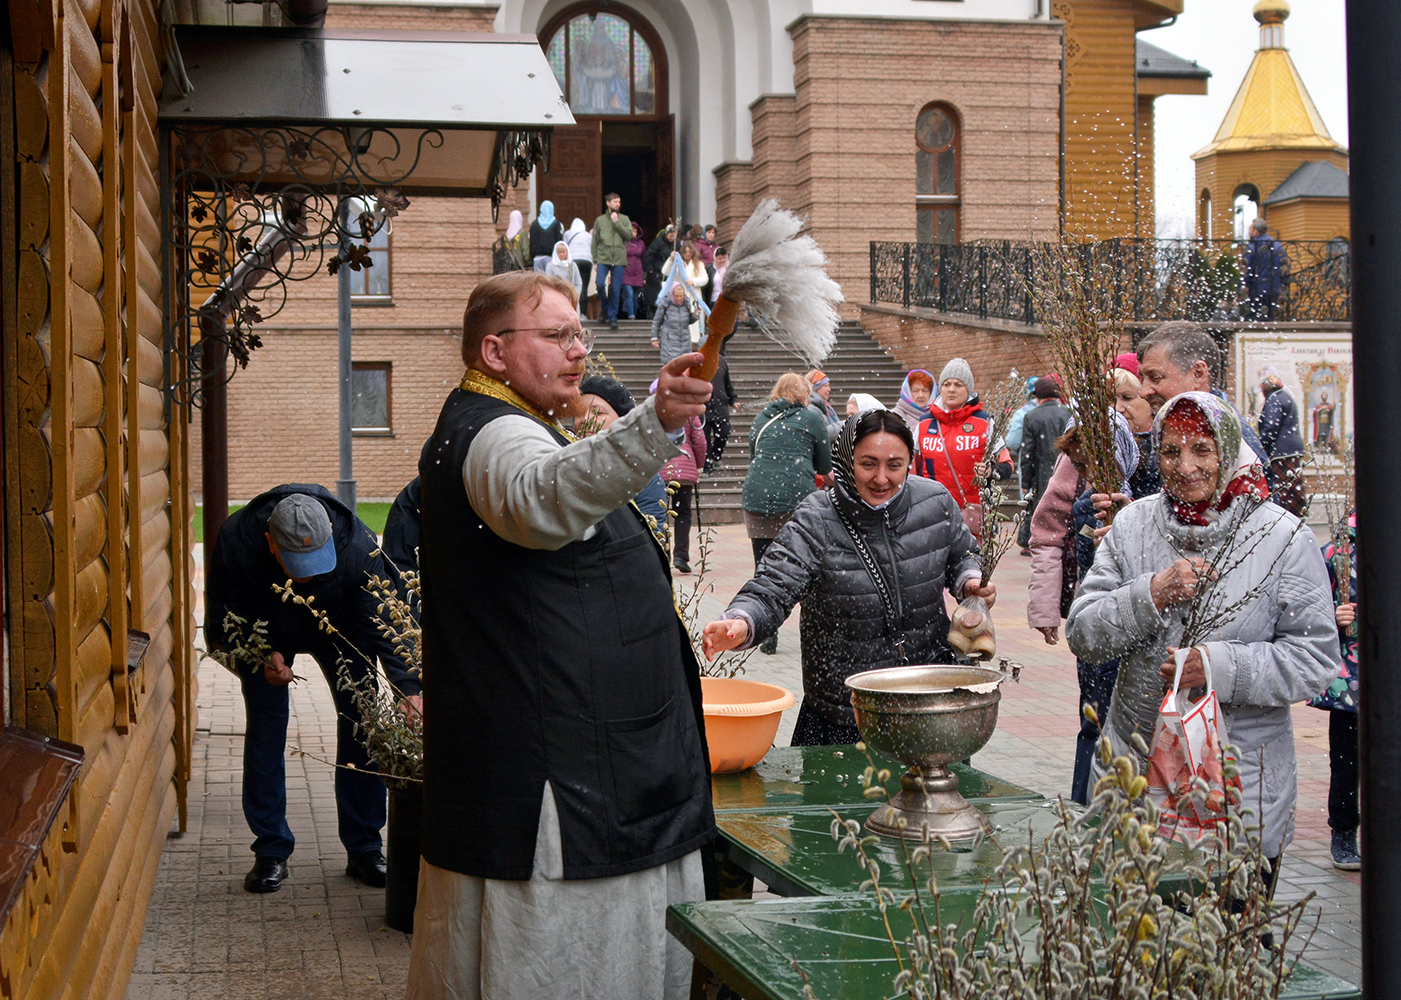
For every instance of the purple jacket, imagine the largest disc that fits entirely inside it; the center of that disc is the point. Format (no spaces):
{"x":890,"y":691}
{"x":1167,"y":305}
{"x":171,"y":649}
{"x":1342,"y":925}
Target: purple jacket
{"x":632,"y":273}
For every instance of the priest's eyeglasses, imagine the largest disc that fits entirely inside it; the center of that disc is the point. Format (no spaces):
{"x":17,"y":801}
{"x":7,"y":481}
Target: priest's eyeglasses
{"x":563,"y":335}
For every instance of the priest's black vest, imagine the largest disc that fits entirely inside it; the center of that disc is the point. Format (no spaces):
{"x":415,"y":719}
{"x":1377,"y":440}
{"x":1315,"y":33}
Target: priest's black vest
{"x":568,"y":666}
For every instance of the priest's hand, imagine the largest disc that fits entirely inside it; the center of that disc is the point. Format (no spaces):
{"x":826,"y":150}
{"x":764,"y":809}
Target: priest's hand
{"x":728,"y":633}
{"x":679,"y":396}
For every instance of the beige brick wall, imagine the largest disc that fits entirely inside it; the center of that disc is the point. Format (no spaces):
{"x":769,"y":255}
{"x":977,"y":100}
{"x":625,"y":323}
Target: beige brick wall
{"x":917,"y":342}
{"x":734,"y":198}
{"x":860,"y":85}
{"x":283,"y":415}
{"x":404,"y":18}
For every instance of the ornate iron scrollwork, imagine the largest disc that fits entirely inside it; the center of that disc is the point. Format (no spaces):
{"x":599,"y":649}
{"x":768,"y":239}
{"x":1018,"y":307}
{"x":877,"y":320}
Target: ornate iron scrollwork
{"x":1155,"y":280}
{"x":517,"y":153}
{"x":251,"y":211}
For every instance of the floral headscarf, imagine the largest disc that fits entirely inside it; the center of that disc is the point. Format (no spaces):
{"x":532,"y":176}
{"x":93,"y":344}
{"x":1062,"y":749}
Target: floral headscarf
{"x":1240,"y":471}
{"x":909,"y":400}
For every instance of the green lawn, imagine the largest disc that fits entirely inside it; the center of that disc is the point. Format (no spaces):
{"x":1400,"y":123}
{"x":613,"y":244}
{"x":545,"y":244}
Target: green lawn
{"x":373,"y":514}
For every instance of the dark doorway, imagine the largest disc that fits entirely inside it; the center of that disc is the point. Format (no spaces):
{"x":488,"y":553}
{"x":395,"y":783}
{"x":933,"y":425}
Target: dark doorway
{"x":630,"y":169}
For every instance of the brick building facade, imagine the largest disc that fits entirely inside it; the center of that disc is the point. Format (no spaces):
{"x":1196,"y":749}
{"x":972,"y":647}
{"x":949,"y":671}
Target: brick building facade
{"x":742,"y":100}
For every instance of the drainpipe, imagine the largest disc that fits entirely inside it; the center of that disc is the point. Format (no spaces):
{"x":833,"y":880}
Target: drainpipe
{"x":1373,"y":33}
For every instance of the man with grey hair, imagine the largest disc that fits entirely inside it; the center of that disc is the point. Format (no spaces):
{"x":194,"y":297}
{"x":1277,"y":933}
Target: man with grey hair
{"x":1179,"y":357}
{"x":1264,"y":271}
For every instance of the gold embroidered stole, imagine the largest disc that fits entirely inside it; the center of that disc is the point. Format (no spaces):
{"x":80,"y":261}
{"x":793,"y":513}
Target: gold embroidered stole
{"x":488,"y":385}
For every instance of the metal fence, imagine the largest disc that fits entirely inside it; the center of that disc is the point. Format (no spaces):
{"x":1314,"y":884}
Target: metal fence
{"x":1156,"y":280}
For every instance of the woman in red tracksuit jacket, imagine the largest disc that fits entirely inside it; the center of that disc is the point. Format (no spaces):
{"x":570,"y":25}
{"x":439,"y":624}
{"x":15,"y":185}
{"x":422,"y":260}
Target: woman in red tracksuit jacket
{"x":953,"y":442}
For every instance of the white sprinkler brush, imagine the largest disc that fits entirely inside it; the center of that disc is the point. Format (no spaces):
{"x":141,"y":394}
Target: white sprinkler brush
{"x":782,"y":277}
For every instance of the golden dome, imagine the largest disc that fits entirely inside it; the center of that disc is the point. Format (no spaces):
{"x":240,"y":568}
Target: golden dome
{"x":1271,"y":11}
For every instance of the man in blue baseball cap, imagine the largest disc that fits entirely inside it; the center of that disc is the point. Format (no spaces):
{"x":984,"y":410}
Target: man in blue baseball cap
{"x":302,"y":533}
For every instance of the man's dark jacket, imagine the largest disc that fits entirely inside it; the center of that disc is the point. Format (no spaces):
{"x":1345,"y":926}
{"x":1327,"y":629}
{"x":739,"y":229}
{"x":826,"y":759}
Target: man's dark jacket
{"x":1040,"y":428}
{"x":244,"y":570}
{"x":1279,"y":427}
{"x":401,"y":527}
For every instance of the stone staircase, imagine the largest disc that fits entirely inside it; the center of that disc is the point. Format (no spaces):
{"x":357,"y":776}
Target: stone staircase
{"x":856,"y":364}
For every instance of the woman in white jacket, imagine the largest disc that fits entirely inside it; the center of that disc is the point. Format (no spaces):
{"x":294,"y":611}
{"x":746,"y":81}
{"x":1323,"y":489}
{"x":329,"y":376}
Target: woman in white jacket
{"x":1277,"y":643}
{"x":561,"y":265}
{"x":580,"y":242}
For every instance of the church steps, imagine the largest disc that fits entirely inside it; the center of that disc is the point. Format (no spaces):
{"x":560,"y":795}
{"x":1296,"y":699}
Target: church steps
{"x":857,"y":364}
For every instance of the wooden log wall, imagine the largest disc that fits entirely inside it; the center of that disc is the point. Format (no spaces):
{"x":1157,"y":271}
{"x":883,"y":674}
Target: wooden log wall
{"x":98,"y":519}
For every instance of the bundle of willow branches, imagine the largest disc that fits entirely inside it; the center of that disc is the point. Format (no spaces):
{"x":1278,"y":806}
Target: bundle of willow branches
{"x":1079,"y":294}
{"x":1090,"y":913}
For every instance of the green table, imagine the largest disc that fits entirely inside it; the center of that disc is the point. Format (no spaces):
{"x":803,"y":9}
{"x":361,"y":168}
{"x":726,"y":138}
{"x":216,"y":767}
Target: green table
{"x":794,"y":854}
{"x":839,"y":942}
{"x":792,"y":779}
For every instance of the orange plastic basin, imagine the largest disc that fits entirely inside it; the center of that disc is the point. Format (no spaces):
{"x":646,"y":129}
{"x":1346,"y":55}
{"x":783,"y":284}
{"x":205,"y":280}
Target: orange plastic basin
{"x":741,"y":720}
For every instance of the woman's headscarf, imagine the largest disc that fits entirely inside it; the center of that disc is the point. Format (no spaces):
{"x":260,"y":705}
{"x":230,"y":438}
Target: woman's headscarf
{"x":561,"y":268}
{"x":1240,"y":473}
{"x":516,"y":224}
{"x":844,"y":462}
{"x":546,"y":218}
{"x":909,"y":400}
{"x":1126,"y":454}
{"x":865,"y":401}
{"x":575,"y":227}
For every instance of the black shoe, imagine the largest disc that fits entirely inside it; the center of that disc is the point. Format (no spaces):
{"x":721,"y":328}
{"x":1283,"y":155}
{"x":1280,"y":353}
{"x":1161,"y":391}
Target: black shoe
{"x":613,"y":324}
{"x":769,"y":645}
{"x":682,"y":566}
{"x":1345,"y":855}
{"x":266,"y":876}
{"x":369,"y":868}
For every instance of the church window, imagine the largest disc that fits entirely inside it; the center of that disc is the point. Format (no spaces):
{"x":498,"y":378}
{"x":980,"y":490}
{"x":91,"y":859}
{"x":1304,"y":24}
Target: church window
{"x":1204,"y":220}
{"x":937,"y":199}
{"x":604,"y":65}
{"x":1245,"y":205}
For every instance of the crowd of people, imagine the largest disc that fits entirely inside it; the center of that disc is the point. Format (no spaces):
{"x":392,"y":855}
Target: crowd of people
{"x":632,"y":278}
{"x":552,"y":651}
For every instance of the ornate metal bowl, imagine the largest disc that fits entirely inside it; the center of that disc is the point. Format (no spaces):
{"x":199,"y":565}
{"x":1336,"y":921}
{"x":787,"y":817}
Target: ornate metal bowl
{"x":928,"y":717}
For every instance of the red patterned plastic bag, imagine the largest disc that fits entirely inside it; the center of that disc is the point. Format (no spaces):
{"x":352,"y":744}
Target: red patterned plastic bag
{"x":1186,"y":746}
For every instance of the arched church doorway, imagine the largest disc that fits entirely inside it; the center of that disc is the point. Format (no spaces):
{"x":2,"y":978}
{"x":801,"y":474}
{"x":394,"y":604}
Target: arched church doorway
{"x":612,"y":67}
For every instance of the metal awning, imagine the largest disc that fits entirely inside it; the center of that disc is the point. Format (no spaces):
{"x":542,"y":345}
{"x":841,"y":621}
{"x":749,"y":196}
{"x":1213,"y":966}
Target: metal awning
{"x":423,"y":111}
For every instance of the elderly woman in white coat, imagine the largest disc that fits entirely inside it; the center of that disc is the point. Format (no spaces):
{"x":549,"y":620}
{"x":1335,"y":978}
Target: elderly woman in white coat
{"x":1278,"y":645}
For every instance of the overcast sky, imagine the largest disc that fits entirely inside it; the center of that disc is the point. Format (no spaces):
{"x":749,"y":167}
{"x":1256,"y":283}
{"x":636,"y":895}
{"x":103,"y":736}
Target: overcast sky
{"x":1222,"y":36}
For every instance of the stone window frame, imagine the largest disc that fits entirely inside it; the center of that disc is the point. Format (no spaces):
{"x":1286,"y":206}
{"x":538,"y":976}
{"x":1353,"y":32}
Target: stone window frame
{"x":387,"y":430}
{"x":933,"y":203}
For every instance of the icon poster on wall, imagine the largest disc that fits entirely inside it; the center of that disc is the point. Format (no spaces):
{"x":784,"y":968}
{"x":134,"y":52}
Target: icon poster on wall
{"x":1316,"y":369}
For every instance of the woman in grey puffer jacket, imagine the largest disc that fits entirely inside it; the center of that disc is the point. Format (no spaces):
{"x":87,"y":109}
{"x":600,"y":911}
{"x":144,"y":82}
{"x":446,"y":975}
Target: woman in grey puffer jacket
{"x":917,"y":538}
{"x":671,"y":326}
{"x":1279,"y":644}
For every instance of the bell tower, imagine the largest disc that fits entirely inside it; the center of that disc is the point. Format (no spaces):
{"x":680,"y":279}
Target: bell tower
{"x":1272,"y":150}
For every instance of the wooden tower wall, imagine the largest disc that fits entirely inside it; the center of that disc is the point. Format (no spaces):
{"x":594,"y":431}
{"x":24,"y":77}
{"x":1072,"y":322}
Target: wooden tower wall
{"x":97,"y":516}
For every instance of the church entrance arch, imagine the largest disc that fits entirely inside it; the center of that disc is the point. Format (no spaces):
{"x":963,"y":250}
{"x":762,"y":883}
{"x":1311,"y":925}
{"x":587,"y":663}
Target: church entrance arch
{"x":612,"y":68}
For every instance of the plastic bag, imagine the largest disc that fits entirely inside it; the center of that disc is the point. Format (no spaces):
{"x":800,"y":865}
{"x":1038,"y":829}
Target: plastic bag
{"x":970,"y":629}
{"x":1187,"y":746}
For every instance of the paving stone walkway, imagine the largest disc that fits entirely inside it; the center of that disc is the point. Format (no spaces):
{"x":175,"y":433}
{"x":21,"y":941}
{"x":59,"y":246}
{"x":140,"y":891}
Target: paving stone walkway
{"x":323,"y":935}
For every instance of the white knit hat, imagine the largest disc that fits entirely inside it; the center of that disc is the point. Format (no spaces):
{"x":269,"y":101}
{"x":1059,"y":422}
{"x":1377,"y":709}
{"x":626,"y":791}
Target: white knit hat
{"x":959,"y":369}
